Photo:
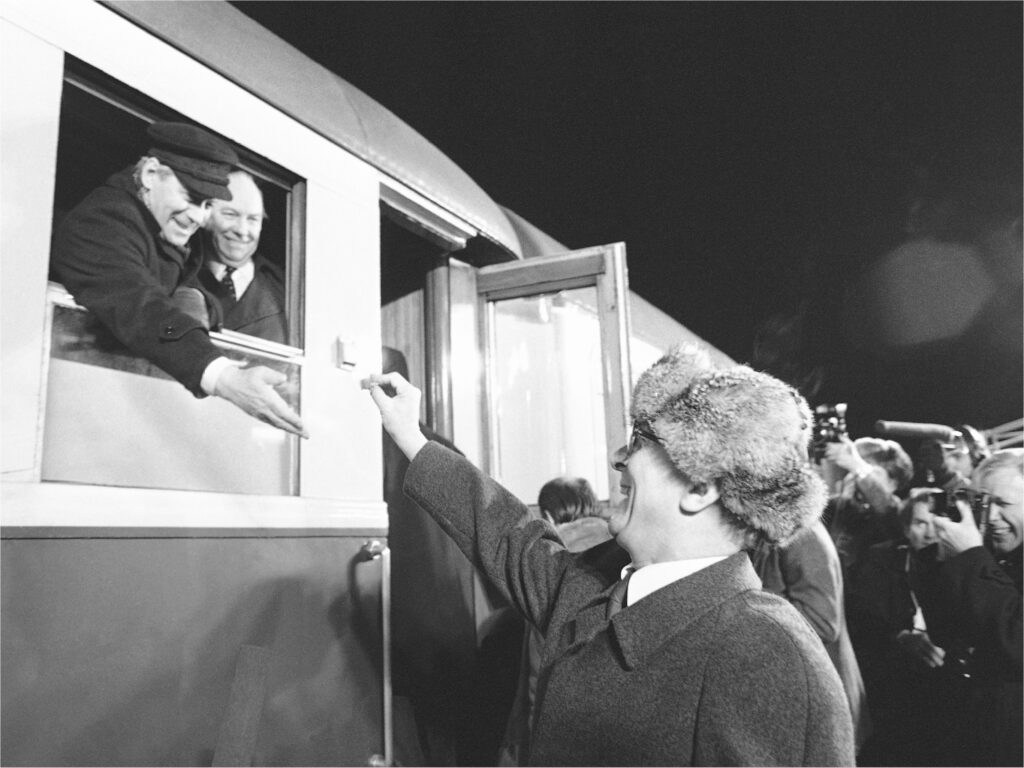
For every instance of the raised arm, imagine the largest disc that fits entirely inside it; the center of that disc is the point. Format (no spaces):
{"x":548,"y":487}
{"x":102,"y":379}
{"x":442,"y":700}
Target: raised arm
{"x":521,"y":555}
{"x":399,"y":413}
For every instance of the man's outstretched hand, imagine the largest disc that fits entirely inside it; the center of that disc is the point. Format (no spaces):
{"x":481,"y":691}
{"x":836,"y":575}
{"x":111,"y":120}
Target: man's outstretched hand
{"x":253,"y":390}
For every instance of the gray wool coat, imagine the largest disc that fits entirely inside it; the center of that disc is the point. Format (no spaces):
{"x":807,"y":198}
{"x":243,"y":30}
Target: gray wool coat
{"x":709,"y":670}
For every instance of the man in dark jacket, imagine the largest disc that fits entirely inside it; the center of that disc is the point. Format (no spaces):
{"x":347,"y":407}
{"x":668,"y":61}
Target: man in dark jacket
{"x":911,"y":695}
{"x":807,"y":572}
{"x":979,"y":583}
{"x":123,"y":254}
{"x":250,"y":288}
{"x":685,"y":660}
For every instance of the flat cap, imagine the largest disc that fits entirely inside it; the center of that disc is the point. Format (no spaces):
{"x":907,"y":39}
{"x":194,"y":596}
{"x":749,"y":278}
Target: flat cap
{"x":200,"y":160}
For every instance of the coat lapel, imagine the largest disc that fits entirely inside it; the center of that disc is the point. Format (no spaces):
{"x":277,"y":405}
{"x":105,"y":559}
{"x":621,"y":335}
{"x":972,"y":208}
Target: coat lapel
{"x":647,"y":624}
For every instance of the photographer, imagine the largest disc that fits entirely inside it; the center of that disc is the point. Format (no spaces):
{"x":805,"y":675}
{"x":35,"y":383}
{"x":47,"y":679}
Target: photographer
{"x":948,"y":463}
{"x":981,"y":588}
{"x":863,"y":510}
{"x":911,"y":693}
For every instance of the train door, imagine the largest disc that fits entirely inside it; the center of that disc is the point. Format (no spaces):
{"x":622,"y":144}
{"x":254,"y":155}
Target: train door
{"x":524,"y":364}
{"x":555,"y":341}
{"x":524,"y":367}
{"x":433,"y":639}
{"x":534,"y":381}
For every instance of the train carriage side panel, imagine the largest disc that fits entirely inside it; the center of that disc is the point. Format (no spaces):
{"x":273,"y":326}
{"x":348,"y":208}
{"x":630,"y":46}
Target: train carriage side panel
{"x":141,"y":619}
{"x":126,"y":651}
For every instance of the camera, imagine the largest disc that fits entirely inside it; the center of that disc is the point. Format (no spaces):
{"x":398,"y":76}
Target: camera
{"x":980,"y":504}
{"x":829,"y":427}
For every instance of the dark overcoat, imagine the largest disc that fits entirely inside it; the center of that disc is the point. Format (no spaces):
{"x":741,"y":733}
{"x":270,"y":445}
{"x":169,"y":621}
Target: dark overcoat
{"x":261,"y":309}
{"x":709,"y":670}
{"x":807,"y":572}
{"x":984,"y":601}
{"x":109,"y":255}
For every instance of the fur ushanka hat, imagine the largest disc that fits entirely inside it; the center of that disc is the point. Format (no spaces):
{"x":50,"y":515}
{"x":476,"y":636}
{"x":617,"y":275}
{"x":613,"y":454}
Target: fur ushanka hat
{"x":738,"y":428}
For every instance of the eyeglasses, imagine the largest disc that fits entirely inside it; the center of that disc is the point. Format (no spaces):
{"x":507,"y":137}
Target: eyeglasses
{"x":640,"y":432}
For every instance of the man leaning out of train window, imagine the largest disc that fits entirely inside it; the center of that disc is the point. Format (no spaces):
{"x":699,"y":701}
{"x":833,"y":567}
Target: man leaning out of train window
{"x":124,"y":254}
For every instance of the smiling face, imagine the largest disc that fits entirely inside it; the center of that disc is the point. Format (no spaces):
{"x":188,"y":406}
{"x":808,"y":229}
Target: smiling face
{"x":176,"y":213}
{"x":644,"y":521}
{"x":1006,"y":519}
{"x":235,"y":225}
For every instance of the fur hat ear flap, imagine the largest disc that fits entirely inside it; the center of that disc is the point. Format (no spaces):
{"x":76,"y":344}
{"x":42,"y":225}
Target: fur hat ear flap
{"x":774,"y":509}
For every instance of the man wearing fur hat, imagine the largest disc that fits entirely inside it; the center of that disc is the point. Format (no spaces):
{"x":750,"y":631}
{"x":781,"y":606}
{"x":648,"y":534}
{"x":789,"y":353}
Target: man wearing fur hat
{"x":685,"y":660}
{"x":123,"y":254}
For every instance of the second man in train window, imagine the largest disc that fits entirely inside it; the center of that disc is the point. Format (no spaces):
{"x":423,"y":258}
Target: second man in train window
{"x":249,"y":287}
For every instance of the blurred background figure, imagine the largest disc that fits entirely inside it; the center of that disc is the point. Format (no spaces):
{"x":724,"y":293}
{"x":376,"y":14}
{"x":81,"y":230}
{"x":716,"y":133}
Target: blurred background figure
{"x":912,"y":697}
{"x":949,"y":465}
{"x":568,"y":503}
{"x":862,"y":511}
{"x":978,"y":593}
{"x":806,"y":571}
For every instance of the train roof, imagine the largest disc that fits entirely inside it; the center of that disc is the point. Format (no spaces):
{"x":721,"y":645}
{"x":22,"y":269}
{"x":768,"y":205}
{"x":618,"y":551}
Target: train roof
{"x":242,"y":50}
{"x":229,"y":42}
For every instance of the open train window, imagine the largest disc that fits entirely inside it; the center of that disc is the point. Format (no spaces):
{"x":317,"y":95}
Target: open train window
{"x":115,"y":419}
{"x":103,"y":130}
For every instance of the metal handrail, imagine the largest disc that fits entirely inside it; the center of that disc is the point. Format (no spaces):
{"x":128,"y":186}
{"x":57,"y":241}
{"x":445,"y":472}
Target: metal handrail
{"x":377,"y":550}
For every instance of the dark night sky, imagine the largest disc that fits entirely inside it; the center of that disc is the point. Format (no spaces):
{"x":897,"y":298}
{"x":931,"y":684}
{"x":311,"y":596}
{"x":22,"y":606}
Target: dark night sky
{"x":756,"y":158}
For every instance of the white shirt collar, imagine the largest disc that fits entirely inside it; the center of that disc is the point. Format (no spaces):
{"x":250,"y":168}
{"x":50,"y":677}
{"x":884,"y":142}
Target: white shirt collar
{"x":653,"y":577}
{"x":241,"y":277}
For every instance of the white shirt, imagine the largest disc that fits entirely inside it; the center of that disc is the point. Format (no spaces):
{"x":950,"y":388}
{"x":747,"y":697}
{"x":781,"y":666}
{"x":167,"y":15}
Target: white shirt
{"x":241,"y":277}
{"x":212,"y":373}
{"x":657,"y":575}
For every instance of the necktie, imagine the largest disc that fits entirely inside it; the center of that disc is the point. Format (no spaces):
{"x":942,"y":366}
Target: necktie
{"x":617,"y":597}
{"x":228,"y":284}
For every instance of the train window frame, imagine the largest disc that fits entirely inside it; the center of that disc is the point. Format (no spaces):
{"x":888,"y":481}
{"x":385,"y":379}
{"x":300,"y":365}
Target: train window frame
{"x":101,"y":99}
{"x":339,"y":490}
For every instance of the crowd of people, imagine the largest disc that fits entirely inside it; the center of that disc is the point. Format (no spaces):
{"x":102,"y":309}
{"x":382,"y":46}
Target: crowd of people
{"x":734,"y":608}
{"x":936,"y":620}
{"x":742,"y":611}
{"x":665,"y":650}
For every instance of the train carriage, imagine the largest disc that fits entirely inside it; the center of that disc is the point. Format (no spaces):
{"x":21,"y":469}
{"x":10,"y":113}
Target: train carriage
{"x":182,"y":584}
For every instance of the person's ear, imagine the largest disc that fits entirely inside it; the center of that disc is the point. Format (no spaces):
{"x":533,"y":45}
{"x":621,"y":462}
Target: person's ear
{"x":698,"y":497}
{"x":149,"y":173}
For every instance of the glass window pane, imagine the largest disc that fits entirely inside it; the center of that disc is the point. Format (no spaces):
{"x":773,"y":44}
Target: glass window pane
{"x":548,"y":390}
{"x":115,"y":419}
